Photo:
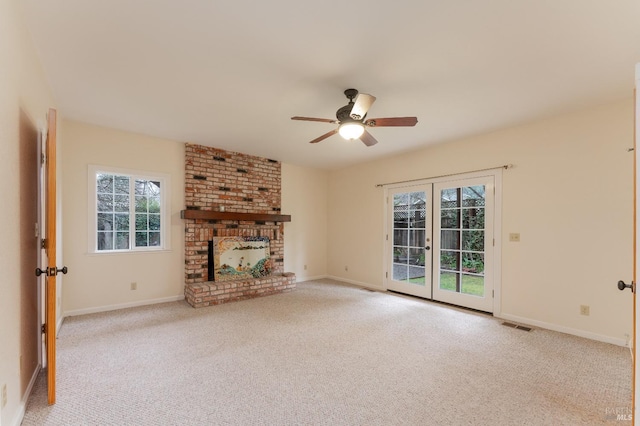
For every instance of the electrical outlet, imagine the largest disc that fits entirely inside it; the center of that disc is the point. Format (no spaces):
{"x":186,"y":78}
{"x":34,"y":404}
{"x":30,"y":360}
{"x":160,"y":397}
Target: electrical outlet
{"x":134,"y":286}
{"x":514,"y":237}
{"x":346,"y":268}
{"x":4,"y":395}
{"x":305,"y":267}
{"x":584,"y":310}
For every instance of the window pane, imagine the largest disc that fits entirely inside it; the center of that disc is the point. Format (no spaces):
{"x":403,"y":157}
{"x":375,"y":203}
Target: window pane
{"x":154,"y":205}
{"x":142,"y":239}
{"x":105,"y":240}
{"x":122,"y":240}
{"x":473,"y":240}
{"x":450,"y":240}
{"x":121,"y":203}
{"x":141,"y":203}
{"x":122,"y":222}
{"x":105,"y":221}
{"x":105,"y":202}
{"x":154,"y":222}
{"x":121,"y":184}
{"x":104,"y":183}
{"x":154,"y":239}
{"x":141,"y":222}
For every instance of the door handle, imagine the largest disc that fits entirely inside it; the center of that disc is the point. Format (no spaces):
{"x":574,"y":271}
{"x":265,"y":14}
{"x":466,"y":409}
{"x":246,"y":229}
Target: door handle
{"x":51,"y":272}
{"x":427,"y":248}
{"x":622,"y":285}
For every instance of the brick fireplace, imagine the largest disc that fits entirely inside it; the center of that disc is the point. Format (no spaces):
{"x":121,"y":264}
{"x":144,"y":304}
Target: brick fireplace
{"x":228,"y":194}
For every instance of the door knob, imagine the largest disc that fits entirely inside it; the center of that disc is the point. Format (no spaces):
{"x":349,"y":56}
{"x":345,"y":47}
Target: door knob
{"x":622,"y":285}
{"x":51,"y":272}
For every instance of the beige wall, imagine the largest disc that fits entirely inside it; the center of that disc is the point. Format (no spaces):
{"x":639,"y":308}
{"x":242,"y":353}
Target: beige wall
{"x":569,"y":195}
{"x":23,"y":93}
{"x":103,"y":281}
{"x":304,"y":197}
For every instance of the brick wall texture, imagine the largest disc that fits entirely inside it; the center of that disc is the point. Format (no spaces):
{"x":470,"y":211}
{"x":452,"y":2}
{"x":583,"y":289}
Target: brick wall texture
{"x":241,"y":183}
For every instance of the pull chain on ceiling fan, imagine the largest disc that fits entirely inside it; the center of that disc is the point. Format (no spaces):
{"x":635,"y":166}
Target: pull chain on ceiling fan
{"x":352,"y":121}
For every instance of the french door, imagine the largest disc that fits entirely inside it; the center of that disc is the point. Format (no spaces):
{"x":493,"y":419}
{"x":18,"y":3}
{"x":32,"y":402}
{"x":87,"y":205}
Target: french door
{"x":410,"y":240}
{"x":440,"y":241}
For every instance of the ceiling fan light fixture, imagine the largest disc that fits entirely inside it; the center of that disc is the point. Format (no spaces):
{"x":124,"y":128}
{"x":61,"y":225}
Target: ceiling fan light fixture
{"x":351,"y":130}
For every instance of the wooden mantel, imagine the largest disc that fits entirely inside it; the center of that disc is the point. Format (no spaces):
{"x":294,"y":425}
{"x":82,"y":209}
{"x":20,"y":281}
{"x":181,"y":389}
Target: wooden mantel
{"x":214,"y":215}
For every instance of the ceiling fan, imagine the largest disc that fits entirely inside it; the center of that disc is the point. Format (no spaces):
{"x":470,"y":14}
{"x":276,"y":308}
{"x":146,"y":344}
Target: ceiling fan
{"x":352,"y":120}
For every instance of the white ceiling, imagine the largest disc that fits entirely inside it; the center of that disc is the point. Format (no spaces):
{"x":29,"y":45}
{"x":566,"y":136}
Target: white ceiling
{"x":231,"y":74}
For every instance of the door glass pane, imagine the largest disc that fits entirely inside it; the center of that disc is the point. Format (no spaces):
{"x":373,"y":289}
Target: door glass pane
{"x":450,"y":240}
{"x":409,"y":237}
{"x":473,"y":218}
{"x":473,"y":240}
{"x":449,"y":219}
{"x":400,"y":237}
{"x":448,"y":281}
{"x":449,"y":198}
{"x":472,"y":284}
{"x":416,"y":275}
{"x":417,"y":238}
{"x":450,"y":260}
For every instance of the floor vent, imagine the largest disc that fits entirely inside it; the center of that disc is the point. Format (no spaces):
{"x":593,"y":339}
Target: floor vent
{"x":516,"y":326}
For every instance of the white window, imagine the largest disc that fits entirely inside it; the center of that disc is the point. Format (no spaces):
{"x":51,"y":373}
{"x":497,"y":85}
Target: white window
{"x":128,"y":210}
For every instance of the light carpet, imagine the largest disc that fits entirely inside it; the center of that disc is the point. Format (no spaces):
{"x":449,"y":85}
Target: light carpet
{"x":326,"y":354}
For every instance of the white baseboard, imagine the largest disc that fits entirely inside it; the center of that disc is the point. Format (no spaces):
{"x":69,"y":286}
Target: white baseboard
{"x":566,"y":330}
{"x":312,"y":278}
{"x":358,"y":283}
{"x":17,"y":421}
{"x":107,"y":308}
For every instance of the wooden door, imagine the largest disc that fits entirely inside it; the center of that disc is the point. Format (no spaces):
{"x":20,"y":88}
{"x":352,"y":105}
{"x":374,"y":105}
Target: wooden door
{"x":50,"y":247}
{"x":636,"y":185}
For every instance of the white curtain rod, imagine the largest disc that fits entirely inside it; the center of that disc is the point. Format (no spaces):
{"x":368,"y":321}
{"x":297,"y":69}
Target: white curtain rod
{"x":506,"y":166}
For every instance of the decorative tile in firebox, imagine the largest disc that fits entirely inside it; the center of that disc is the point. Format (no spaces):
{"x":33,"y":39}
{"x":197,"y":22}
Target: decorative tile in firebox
{"x":237,"y":258}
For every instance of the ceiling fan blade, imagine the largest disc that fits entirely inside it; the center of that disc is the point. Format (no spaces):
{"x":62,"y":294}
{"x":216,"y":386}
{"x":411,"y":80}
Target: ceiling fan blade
{"x":322,"y":120}
{"x":367,"y":139}
{"x":323,"y":137}
{"x":392,"y":121}
{"x":361,"y":106}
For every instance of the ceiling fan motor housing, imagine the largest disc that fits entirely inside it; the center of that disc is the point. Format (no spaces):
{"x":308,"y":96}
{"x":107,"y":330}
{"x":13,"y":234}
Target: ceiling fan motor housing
{"x":344,"y":113}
